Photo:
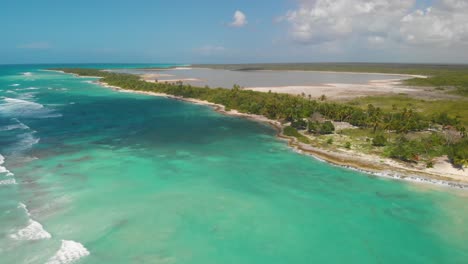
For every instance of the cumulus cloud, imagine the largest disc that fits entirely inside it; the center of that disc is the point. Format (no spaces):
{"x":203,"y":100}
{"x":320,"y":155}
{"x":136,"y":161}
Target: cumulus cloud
{"x":445,"y":23}
{"x":239,"y":19}
{"x":318,"y":21}
{"x":35,"y":45}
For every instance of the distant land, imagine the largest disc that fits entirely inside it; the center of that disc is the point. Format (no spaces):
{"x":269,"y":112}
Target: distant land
{"x":450,"y":77}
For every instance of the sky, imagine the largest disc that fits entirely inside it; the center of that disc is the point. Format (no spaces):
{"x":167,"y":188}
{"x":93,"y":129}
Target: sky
{"x":236,"y":31}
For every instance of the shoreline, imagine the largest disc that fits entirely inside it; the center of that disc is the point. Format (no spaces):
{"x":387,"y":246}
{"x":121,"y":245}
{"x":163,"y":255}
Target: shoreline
{"x":350,"y":160}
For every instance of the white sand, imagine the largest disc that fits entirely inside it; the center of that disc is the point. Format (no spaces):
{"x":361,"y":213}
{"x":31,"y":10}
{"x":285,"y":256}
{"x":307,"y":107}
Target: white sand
{"x":343,"y":91}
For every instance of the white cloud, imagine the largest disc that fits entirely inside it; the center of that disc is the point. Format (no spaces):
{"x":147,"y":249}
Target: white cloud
{"x":324,"y":20}
{"x":376,"y":21}
{"x":443,"y":24}
{"x":209,"y":50}
{"x":35,"y":45}
{"x":240,"y":19}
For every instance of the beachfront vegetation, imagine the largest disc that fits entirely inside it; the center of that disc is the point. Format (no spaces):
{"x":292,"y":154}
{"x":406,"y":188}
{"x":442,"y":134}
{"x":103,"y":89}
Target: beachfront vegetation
{"x":292,"y":132}
{"x":442,"y":111}
{"x":379,"y":140}
{"x":399,"y":124}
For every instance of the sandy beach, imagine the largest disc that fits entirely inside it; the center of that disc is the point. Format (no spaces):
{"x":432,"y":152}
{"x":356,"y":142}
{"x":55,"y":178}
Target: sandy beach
{"x":442,"y":173}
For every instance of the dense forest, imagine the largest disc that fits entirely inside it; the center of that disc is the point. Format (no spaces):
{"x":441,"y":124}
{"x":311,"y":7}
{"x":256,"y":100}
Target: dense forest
{"x":447,"y":136}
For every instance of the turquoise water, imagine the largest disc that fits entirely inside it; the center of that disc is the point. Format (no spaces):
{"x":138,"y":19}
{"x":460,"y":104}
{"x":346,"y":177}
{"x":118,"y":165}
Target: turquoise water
{"x":108,"y":177}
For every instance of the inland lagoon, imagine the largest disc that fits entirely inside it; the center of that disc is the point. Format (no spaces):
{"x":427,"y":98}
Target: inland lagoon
{"x":93,"y":175}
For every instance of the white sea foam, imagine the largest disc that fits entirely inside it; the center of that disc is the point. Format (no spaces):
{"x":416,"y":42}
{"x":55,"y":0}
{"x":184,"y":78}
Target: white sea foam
{"x":69,"y":252}
{"x":14,"y":85}
{"x":11,"y":127}
{"x":15,"y":107}
{"x":27,"y":73}
{"x":27,"y":96}
{"x":26,"y":141}
{"x":8,"y":182}
{"x":6,"y":171}
{"x":34,"y":231}
{"x":23,"y":206}
{"x":18,"y":125}
{"x":19,"y":104}
{"x":29,"y":88}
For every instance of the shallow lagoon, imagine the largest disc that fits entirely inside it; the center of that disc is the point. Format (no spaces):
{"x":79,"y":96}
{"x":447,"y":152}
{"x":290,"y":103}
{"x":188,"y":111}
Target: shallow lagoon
{"x":227,"y":78}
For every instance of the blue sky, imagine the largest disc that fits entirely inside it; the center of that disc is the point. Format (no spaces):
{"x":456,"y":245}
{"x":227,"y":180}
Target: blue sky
{"x":201,"y":31}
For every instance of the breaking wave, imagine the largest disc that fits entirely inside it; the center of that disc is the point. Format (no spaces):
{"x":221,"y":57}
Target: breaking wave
{"x":6,"y":171}
{"x":14,"y":107}
{"x":34,"y":231}
{"x":8,"y":182}
{"x":69,"y":252}
{"x":18,"y":125}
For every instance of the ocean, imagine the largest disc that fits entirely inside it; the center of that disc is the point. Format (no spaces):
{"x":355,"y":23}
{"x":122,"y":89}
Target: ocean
{"x":93,"y":175}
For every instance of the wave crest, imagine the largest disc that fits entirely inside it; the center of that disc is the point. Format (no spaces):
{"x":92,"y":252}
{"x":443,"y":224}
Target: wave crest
{"x":69,"y":252}
{"x":6,"y":171}
{"x":15,"y":107}
{"x":34,"y":231}
{"x":8,"y":182}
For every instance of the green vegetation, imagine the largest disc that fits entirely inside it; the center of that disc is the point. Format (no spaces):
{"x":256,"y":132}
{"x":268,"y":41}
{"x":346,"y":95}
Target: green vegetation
{"x":299,"y":124}
{"x":430,"y":109}
{"x":425,"y":148}
{"x":324,"y":128}
{"x":379,"y":140}
{"x":403,"y":125}
{"x":327,"y":128}
{"x":347,"y":145}
{"x":458,"y":154}
{"x":443,"y":80}
{"x":292,"y":132}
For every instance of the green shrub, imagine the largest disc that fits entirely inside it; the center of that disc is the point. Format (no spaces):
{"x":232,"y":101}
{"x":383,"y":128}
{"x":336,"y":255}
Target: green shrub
{"x":327,"y":128}
{"x":299,"y":124}
{"x":347,"y":145}
{"x":379,"y":140}
{"x":458,"y":153}
{"x":405,"y":150}
{"x":292,"y":132}
{"x":314,"y":127}
{"x":430,"y":164}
